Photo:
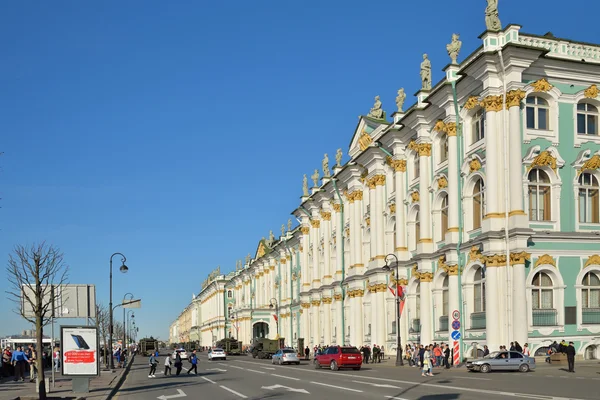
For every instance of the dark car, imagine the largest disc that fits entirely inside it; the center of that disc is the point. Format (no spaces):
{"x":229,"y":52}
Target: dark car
{"x":336,"y":357}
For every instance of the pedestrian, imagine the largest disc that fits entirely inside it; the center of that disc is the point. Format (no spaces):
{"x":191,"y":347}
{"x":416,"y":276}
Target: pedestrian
{"x":526,"y":351}
{"x":168,"y":365}
{"x":194,"y":361}
{"x":486,"y":351}
{"x":307,"y":353}
{"x":153,"y":364}
{"x":32,"y":363}
{"x":56,"y":358}
{"x":382,"y":353}
{"x":421,"y":355}
{"x":570,"y":350}
{"x":19,"y":359}
{"x":447,"y":357}
{"x":518,"y":347}
{"x":7,"y":367}
{"x":178,"y":363}
{"x":437,"y":352}
{"x":426,"y":370}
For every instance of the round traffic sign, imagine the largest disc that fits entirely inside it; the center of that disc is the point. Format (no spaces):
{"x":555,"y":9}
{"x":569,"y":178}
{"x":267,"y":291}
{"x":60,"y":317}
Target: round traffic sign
{"x":456,"y":324}
{"x":455,"y":335}
{"x":456,"y":314}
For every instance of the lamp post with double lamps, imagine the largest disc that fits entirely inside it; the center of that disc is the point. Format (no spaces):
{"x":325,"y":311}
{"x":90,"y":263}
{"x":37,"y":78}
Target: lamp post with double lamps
{"x":387,"y":267}
{"x":273,"y":304}
{"x":130,"y":312}
{"x":123,"y":268}
{"x":125,"y":322}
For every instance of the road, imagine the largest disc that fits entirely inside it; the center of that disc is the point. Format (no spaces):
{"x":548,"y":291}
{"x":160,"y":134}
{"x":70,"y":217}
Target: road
{"x":247,"y":378}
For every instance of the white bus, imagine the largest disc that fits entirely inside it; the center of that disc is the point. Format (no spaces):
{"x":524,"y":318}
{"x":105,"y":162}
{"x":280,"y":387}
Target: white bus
{"x":13,"y":343}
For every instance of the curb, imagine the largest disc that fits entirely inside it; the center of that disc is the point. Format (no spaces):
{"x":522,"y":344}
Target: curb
{"x":121,"y":380}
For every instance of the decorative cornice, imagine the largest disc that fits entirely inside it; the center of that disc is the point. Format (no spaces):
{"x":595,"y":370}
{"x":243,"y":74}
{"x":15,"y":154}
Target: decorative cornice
{"x":451,"y":128}
{"x":326,"y":215}
{"x":592,"y":92}
{"x":541,"y":85}
{"x":474,"y":165}
{"x":315,"y":223}
{"x":492,"y":103}
{"x":442,"y":182}
{"x":472,"y":102}
{"x":475,"y":255}
{"x":415,"y":197}
{"x":544,"y":159}
{"x":545,"y":259}
{"x":592,"y":260}
{"x":514,"y":98}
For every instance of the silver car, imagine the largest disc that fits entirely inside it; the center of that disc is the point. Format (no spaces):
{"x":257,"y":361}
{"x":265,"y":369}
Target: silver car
{"x":285,"y":356}
{"x":502,"y":361}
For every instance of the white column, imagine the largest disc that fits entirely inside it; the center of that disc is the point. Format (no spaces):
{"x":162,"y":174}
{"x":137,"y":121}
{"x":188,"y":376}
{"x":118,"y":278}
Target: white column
{"x":453,"y":303}
{"x":380,"y":221}
{"x":339,"y":323}
{"x":519,"y":305}
{"x":374,"y":207}
{"x":316,"y":323}
{"x":304,"y":325}
{"x":326,"y":304}
{"x":493,"y":328}
{"x":424,"y":197}
{"x":426,"y":327}
{"x":356,"y":234}
{"x":315,"y":239}
{"x":339,"y":237}
{"x":305,"y":281}
{"x":453,"y":196}
{"x":327,"y":274}
{"x":353,"y":231}
{"x":493,"y":142}
{"x":400,"y":176}
{"x":381,"y":321}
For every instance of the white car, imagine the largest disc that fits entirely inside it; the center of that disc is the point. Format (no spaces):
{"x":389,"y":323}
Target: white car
{"x":216,"y":354}
{"x":182,"y":354}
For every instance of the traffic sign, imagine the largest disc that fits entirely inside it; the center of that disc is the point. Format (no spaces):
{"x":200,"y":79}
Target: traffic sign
{"x":455,"y":335}
{"x":456,"y":324}
{"x":456,"y":314}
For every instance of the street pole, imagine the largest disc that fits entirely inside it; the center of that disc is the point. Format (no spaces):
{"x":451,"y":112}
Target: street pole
{"x":123,"y":269}
{"x":386,"y":267}
{"x":274,"y":300}
{"x":124,"y":323}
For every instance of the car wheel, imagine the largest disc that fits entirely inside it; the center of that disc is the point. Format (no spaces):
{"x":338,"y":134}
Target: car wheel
{"x":523,"y":368}
{"x":298,"y":363}
{"x":334,"y":366}
{"x":225,"y":359}
{"x":485,"y":368}
{"x":316,"y":364}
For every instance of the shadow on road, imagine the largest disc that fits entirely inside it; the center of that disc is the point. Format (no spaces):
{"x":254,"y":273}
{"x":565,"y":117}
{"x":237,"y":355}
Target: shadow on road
{"x":446,"y":396}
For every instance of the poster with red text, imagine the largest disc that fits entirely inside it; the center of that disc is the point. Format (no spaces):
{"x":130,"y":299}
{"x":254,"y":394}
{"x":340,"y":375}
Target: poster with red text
{"x":79,"y":350}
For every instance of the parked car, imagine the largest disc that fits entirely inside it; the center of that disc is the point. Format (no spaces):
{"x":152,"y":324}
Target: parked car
{"x":182,"y":354}
{"x":336,"y":357}
{"x":216,"y":354}
{"x":502,"y":361}
{"x":285,"y":356}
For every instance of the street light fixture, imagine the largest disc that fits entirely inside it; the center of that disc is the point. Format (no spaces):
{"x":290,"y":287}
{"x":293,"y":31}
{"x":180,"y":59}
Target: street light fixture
{"x":123,"y":269}
{"x":273,"y":304}
{"x":387,"y":267}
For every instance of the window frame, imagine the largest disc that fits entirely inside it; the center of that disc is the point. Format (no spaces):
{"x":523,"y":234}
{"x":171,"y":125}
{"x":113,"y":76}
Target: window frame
{"x":478,"y":126}
{"x":587,"y":114}
{"x":479,"y":185}
{"x":536,"y":108}
{"x":591,"y":210}
{"x":534,"y":196}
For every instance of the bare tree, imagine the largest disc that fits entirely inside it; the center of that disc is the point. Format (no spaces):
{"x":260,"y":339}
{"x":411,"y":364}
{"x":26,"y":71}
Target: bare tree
{"x":103,"y":326}
{"x":33,"y":273}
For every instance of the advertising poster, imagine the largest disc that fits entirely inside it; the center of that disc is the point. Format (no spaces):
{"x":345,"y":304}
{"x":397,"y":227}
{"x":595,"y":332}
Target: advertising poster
{"x":79,"y":350}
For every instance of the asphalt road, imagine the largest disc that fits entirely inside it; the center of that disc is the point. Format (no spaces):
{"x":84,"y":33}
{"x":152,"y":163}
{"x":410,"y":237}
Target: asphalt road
{"x":247,"y":378}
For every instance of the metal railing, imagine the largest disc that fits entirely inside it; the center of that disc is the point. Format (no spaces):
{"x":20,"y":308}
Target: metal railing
{"x":590,"y":316}
{"x":478,"y":320}
{"x":544,"y":317}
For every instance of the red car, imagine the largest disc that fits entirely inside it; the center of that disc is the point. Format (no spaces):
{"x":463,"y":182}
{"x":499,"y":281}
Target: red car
{"x":336,"y":357}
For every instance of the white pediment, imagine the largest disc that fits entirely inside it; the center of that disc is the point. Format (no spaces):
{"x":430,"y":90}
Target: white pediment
{"x":366,"y":133}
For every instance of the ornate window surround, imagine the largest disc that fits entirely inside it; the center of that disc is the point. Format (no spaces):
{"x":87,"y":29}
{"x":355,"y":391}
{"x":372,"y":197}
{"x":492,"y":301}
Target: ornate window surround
{"x":578,"y":296}
{"x":468,"y":199}
{"x":468,"y":288}
{"x":558,"y":298}
{"x":436,"y":213}
{"x":551,"y":96}
{"x":468,"y":116}
{"x":581,"y":158}
{"x":582,"y":139}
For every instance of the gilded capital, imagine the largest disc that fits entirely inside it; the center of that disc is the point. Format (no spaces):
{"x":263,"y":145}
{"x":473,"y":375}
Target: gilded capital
{"x":495,"y":260}
{"x":426,"y":276}
{"x":451,"y":128}
{"x":337,"y":207}
{"x":440,"y":126}
{"x":327,"y":300}
{"x":377,"y":180}
{"x":326,"y":216}
{"x":514,"y":98}
{"x":472,"y":102}
{"x":315,"y":223}
{"x":305,"y":230}
{"x":337,"y":297}
{"x":398,"y":165}
{"x":492,"y":103}
{"x":475,"y":255}
{"x":423,"y":149}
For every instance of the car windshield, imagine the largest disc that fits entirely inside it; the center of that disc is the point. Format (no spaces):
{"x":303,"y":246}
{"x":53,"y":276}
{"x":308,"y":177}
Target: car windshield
{"x":289,"y":351}
{"x":350,"y":350}
{"x":492,"y":355}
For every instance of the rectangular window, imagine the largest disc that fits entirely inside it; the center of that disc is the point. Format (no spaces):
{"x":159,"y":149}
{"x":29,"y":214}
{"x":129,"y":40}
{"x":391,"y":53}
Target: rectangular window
{"x":591,"y":125}
{"x":477,"y":297}
{"x":530,"y":115}
{"x":542,"y":118}
{"x":445,"y":302}
{"x":581,"y":124}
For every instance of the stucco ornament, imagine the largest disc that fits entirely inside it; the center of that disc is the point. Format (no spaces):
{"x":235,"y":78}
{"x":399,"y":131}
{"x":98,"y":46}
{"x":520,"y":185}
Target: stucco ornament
{"x":541,"y":85}
{"x":514,"y":98}
{"x":315,"y":178}
{"x":400,"y":99}
{"x":376,"y":111}
{"x":364,"y":140}
{"x":474,"y":165}
{"x":453,"y":48}
{"x":415,"y":197}
{"x":544,"y":159}
{"x":592,"y":92}
{"x":326,"y":172}
{"x":545,"y":259}
{"x":593,"y":260}
{"x":338,"y":158}
{"x":426,"y":73}
{"x":305,"y":186}
{"x":472,"y":102}
{"x":442,"y":182}
{"x":591,"y":164}
{"x":492,"y":21}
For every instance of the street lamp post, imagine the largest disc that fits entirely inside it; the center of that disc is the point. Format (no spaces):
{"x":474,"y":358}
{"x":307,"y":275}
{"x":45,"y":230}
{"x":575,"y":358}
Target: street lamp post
{"x":386,"y":267}
{"x":124,"y":322}
{"x":123,"y":269}
{"x":129,"y":312}
{"x":273,"y":303}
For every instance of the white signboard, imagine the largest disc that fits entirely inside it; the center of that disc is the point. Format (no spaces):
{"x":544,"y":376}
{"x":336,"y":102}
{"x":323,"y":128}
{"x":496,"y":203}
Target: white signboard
{"x":66,"y":301}
{"x":79,"y":350}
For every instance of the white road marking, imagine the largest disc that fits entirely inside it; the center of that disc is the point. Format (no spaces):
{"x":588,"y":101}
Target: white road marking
{"x":222,"y":364}
{"x":470,"y":377}
{"x":286,"y":377}
{"x":253,"y":370}
{"x":382,"y":385}
{"x":208,"y":380}
{"x":180,"y":393}
{"x":289,"y":389}
{"x":337,"y":387}
{"x":234,"y":392}
{"x":273,"y":369}
{"x":217,"y":369}
{"x":395,"y":398}
{"x":233,"y":366}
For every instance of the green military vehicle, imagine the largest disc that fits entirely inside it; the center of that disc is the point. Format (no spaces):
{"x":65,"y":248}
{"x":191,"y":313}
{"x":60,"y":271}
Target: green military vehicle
{"x":264,"y":348}
{"x":231,"y":346}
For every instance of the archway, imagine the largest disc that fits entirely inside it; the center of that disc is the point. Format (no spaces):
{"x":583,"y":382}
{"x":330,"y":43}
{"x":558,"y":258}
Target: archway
{"x":260,"y":330}
{"x":590,"y":352}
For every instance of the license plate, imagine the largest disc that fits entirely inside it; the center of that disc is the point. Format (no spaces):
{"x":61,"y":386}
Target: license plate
{"x":351,"y":358}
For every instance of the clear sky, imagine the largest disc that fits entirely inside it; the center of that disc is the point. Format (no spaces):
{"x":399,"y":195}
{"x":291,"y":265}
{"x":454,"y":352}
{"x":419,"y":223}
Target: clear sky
{"x":177,"y":132}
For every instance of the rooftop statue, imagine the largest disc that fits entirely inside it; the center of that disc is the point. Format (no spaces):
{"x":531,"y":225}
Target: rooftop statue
{"x":315,"y":178}
{"x":289,"y":225}
{"x":338,"y":158}
{"x":248,"y":258}
{"x":282,"y":230}
{"x":326,"y":172}
{"x":305,"y":186}
{"x":376,"y":111}
{"x":426,"y":73}
{"x":492,"y":21}
{"x":400,"y":99}
{"x":454,"y":48}
{"x":271,"y":236}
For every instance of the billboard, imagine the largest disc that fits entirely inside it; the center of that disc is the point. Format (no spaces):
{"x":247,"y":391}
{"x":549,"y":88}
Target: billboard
{"x":79,"y":346}
{"x":67,"y":301}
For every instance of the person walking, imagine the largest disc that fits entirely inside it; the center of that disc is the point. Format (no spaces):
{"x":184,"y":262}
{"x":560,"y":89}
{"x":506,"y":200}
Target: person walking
{"x":426,"y":370}
{"x":153,"y":364}
{"x":19,"y":359}
{"x":447,"y":357}
{"x":307,"y":353}
{"x":178,"y":364}
{"x":32,"y":363}
{"x":168,"y":365}
{"x":570,"y":351}
{"x":486,"y":350}
{"x":194,"y":361}
{"x":56,"y":359}
{"x":526,"y":351}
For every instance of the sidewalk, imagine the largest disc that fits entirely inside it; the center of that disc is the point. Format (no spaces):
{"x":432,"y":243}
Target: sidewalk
{"x":101,"y":387}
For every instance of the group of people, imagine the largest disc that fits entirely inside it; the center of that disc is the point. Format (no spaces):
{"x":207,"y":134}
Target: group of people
{"x":178,"y":364}
{"x":563,"y":347}
{"x":374,"y":354}
{"x":428,"y":356}
{"x":15,"y":363}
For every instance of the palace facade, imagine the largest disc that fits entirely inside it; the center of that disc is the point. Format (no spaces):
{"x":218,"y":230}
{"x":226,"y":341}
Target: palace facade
{"x":485,"y":191}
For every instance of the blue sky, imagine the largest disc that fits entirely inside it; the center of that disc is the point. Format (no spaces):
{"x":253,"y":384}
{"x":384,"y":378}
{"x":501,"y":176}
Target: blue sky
{"x":178,"y":132}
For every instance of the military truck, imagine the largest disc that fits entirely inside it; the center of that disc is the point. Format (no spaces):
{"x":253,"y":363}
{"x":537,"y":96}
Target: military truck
{"x":148,"y":346}
{"x":264,"y":348}
{"x":231,"y":346}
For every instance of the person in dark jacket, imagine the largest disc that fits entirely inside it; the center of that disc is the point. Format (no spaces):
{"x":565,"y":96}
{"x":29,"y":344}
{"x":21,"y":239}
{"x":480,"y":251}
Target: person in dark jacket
{"x":307,"y":353}
{"x":570,"y":350}
{"x":447,"y":357}
{"x":194,"y":361}
{"x":421,"y":355}
{"x":178,"y":363}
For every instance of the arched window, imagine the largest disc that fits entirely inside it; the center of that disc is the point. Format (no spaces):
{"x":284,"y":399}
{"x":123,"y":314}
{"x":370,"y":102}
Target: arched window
{"x":443,"y":148}
{"x":590,"y":298}
{"x":445,"y":296}
{"x":589,"y":201}
{"x":478,"y":126}
{"x":417,"y":228}
{"x":542,"y":300}
{"x":539,"y":195}
{"x":229,"y":294}
{"x":444,"y":215}
{"x":538,"y":113}
{"x":587,"y":119}
{"x":229,"y":312}
{"x":478,"y":314}
{"x":478,"y":203}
